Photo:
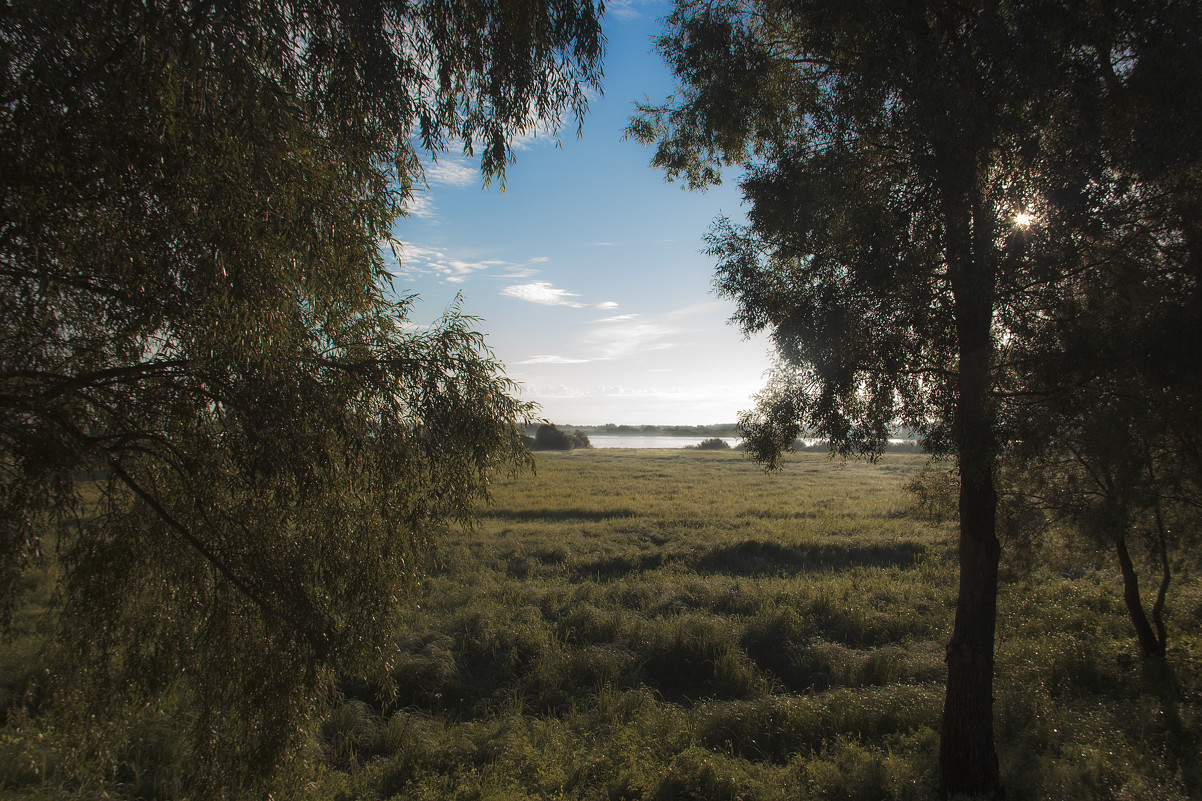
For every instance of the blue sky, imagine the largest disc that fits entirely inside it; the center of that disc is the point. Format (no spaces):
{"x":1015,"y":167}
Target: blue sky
{"x":587,"y":271}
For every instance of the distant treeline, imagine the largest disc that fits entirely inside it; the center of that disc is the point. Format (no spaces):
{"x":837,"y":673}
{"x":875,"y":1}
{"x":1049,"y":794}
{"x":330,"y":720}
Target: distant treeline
{"x":547,"y":437}
{"x":908,"y":444}
{"x":714,"y":430}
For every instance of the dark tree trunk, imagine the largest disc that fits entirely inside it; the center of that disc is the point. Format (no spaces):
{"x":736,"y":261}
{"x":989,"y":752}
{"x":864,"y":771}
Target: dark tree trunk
{"x":1149,"y":642}
{"x":967,"y":759}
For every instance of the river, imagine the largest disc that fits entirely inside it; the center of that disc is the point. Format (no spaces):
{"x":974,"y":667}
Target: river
{"x":637,"y":441}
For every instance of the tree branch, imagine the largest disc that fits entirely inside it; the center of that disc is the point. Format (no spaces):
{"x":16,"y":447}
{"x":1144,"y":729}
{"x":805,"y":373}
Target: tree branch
{"x":321,"y":647}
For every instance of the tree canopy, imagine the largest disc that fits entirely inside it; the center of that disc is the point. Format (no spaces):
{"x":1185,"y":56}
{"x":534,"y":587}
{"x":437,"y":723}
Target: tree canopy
{"x":929,"y":186}
{"x":214,"y":415}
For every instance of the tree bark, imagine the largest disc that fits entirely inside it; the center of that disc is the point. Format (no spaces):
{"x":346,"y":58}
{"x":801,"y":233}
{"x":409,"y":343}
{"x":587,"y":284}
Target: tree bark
{"x":967,"y":758}
{"x":1149,"y":643}
{"x":968,"y":761}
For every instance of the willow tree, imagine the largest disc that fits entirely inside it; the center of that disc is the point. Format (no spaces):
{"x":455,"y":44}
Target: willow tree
{"x":213,"y":414}
{"x":922,"y":180}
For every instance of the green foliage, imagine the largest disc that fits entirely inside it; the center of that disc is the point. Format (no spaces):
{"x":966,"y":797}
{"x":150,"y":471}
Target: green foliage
{"x":934,"y":492}
{"x":214,"y":419}
{"x":1112,"y":445}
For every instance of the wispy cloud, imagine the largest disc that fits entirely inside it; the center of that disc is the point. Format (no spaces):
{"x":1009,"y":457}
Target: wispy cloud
{"x":452,"y":171}
{"x":610,"y":339}
{"x":519,"y":272}
{"x":542,"y":292}
{"x":547,"y":359}
{"x":613,"y":391}
{"x":626,"y":9}
{"x":605,"y":244}
{"x":627,"y":335}
{"x":524,"y":270}
{"x":533,"y":137}
{"x":419,"y":205}
{"x":546,"y":294}
{"x":417,"y":260}
{"x":705,"y":308}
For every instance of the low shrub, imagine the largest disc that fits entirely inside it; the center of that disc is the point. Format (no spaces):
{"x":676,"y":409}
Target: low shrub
{"x":712,"y":444}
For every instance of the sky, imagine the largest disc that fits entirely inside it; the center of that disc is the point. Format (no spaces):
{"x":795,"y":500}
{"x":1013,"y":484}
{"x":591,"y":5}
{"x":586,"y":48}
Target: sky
{"x":587,"y":273}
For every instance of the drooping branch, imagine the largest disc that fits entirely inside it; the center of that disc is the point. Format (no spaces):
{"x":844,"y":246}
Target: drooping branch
{"x":319,"y":645}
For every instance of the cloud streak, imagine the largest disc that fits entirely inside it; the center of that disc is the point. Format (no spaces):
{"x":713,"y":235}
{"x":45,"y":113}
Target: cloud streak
{"x":542,"y":293}
{"x":547,"y":359}
{"x":452,"y":171}
{"x":628,"y":335}
{"x":626,"y":9}
{"x":417,"y":260}
{"x":608,"y":339}
{"x":419,"y":205}
{"x":545,"y":293}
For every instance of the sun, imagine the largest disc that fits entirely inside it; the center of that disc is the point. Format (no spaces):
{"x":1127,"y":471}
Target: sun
{"x":1023,"y":219}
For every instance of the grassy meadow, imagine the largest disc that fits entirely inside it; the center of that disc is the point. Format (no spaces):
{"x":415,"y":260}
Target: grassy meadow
{"x":681,"y":625}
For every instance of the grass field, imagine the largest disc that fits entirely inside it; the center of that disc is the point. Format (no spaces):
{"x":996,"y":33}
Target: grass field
{"x":680,"y":625}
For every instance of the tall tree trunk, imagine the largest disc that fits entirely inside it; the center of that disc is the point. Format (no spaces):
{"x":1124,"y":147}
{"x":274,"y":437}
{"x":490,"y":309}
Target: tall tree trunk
{"x":967,"y":759}
{"x":1149,"y":643}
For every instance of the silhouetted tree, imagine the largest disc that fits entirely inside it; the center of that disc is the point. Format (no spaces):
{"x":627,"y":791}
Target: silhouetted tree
{"x":923,"y":182}
{"x":1111,"y":443}
{"x":550,"y":438}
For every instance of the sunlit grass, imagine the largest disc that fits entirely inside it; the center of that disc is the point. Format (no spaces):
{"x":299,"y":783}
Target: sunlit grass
{"x":672,"y":625}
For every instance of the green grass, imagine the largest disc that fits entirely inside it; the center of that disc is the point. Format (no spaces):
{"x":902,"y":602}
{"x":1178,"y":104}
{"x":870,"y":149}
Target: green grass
{"x":680,"y":625}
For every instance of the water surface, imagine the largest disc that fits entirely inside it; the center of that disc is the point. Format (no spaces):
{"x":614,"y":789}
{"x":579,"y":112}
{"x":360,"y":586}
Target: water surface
{"x":638,"y":441}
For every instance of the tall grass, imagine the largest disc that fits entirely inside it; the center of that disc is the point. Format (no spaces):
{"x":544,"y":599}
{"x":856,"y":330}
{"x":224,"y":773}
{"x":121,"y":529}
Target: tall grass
{"x":681,"y":625}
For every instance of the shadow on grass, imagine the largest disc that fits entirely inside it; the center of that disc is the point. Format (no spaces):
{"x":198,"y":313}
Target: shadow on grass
{"x":559,"y":515}
{"x":613,"y":567}
{"x":1182,"y":741}
{"x":759,"y":558}
{"x":753,"y":558}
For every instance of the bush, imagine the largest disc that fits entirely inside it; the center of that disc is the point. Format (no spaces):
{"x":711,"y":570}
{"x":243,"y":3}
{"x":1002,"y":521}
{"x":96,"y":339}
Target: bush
{"x":550,"y":438}
{"x":934,"y":493}
{"x":713,"y":444}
